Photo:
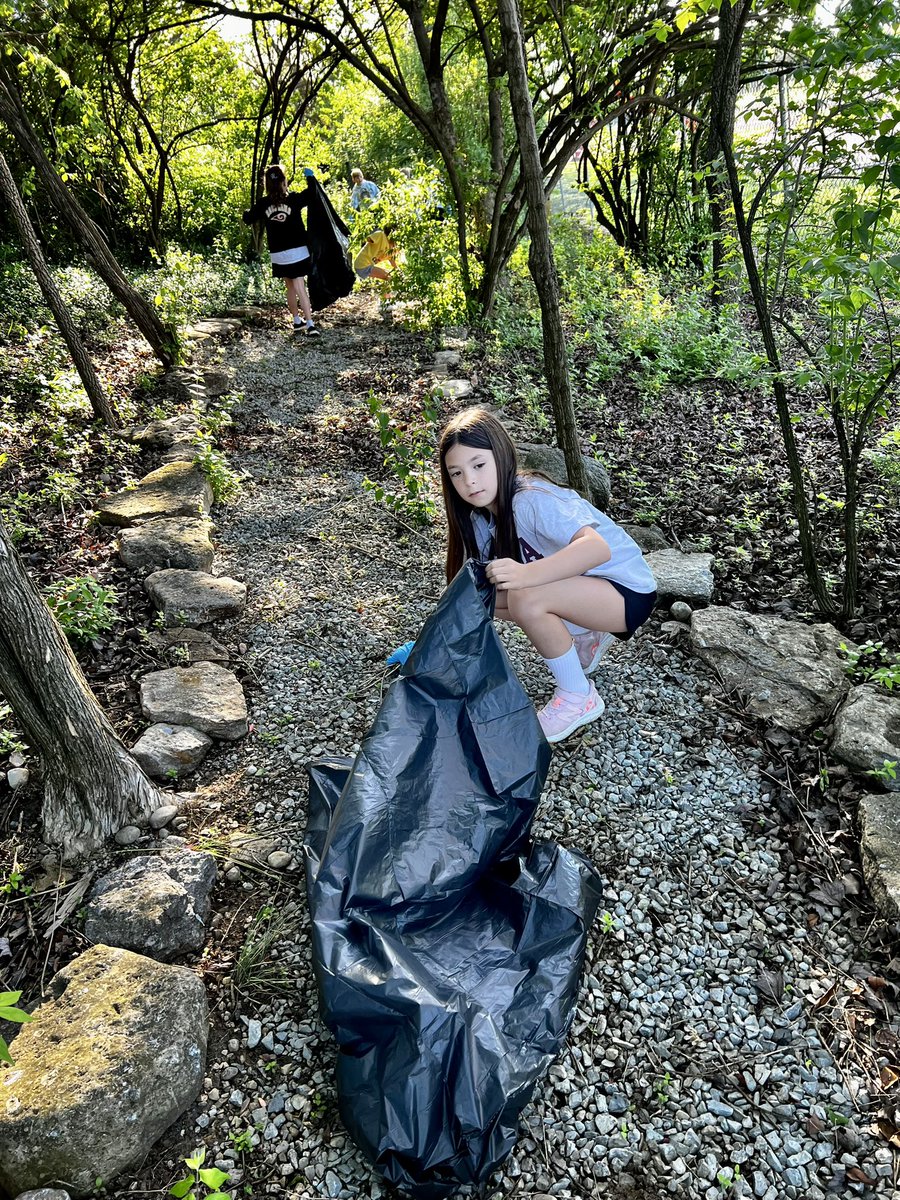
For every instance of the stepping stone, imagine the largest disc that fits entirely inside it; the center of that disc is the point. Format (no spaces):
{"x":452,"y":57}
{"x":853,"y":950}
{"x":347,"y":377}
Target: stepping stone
{"x":195,"y":645}
{"x":879,"y":821}
{"x":181,"y":384}
{"x":113,"y":1057}
{"x":867,"y":733}
{"x":204,"y":696}
{"x":682,"y":576}
{"x":648,"y":537}
{"x":247,"y":312}
{"x":217,"y":381}
{"x":788,"y":673}
{"x":156,"y":905}
{"x":180,"y":451}
{"x":456,"y":389}
{"x":213,"y":327}
{"x":159,"y":435}
{"x":195,"y":598}
{"x":170,"y":751}
{"x":446,"y":361}
{"x":176,"y":490}
{"x":551,"y":461}
{"x":167,"y":542}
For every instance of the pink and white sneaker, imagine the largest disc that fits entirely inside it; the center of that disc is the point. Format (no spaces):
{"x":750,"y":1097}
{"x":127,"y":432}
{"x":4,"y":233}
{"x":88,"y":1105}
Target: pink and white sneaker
{"x":566,"y":711}
{"x":591,"y":647}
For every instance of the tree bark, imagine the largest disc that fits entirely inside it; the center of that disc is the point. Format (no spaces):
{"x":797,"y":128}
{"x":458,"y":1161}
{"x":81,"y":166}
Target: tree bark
{"x":55,"y":302}
{"x":724,"y":84}
{"x":161,"y":339}
{"x":541,"y":262}
{"x":92,"y":785}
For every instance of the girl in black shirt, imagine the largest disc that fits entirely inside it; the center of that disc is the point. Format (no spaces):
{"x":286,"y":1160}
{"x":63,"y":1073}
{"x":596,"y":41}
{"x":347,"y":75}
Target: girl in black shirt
{"x":287,"y":240}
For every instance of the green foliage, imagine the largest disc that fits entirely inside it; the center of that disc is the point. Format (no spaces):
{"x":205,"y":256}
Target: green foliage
{"x":83,"y":607}
{"x":9,"y":743}
{"x":9,"y":1012}
{"x":256,"y":972}
{"x":225,"y":482}
{"x":887,"y":773}
{"x":408,"y":458}
{"x":201,"y":1183}
{"x":872,"y":663}
{"x":429,"y":277}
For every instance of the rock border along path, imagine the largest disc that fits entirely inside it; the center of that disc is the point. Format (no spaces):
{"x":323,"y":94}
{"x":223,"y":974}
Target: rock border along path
{"x":695,"y":1066}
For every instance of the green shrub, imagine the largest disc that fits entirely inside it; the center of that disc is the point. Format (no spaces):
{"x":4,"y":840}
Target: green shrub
{"x":83,"y":607}
{"x":408,"y":458}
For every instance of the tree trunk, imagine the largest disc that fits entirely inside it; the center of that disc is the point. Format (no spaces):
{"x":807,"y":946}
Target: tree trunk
{"x":55,"y":302}
{"x":161,"y":339}
{"x":724,"y":85}
{"x":541,"y":262}
{"x":92,"y":785}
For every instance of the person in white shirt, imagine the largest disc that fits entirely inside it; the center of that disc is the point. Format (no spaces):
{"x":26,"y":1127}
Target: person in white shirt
{"x":571,"y":578}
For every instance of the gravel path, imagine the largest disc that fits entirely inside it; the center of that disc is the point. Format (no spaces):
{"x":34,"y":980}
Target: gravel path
{"x":694,"y":1067}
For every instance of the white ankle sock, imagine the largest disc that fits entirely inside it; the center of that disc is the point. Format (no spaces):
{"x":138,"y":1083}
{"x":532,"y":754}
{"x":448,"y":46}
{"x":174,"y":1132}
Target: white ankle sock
{"x":567,"y":672}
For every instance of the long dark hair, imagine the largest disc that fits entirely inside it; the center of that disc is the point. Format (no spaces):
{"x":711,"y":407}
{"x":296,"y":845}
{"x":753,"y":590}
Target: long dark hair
{"x":476,"y":428}
{"x":276,"y":182}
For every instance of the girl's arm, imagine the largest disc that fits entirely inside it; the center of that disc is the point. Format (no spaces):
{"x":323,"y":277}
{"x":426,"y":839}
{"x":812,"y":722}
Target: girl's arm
{"x":587,"y":549}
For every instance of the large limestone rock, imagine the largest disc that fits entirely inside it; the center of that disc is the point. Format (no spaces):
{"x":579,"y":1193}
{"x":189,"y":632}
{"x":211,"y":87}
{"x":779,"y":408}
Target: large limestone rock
{"x":167,"y":542}
{"x":879,"y":822}
{"x":551,"y":461}
{"x":788,"y":673}
{"x":170,"y":751}
{"x":204,"y":696}
{"x":159,"y":435}
{"x":682,"y":576}
{"x":867,"y":732}
{"x":212,"y":327}
{"x":175,"y":490}
{"x":107,"y":1065}
{"x":156,"y":904}
{"x":195,"y":598}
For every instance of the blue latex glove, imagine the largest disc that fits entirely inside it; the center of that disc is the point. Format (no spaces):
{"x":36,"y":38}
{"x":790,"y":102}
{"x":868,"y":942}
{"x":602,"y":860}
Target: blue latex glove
{"x":309,"y":173}
{"x":399,"y":656}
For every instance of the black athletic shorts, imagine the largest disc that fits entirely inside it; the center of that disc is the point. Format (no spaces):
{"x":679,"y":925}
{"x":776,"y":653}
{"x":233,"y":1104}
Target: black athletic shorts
{"x":638,"y":607}
{"x":293,"y":270}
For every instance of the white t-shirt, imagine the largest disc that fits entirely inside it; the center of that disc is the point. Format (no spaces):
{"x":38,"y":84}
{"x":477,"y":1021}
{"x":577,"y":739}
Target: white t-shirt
{"x":548,"y":517}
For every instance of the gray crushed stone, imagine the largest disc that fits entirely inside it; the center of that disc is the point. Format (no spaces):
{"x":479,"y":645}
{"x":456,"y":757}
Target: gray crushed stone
{"x":682,"y":1076}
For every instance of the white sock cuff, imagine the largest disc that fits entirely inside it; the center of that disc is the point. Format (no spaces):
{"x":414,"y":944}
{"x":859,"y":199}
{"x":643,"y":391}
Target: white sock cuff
{"x":568,"y":673}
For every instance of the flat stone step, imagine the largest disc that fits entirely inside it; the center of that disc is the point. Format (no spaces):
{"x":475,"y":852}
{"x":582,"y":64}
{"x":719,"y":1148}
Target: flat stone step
{"x":213,"y":327}
{"x":203,"y":696}
{"x":159,"y":435}
{"x":167,"y":751}
{"x":195,"y":645}
{"x":682,"y":576}
{"x":456,"y":389}
{"x":879,"y":822}
{"x":867,"y":733}
{"x":175,"y":490}
{"x":182,"y":542}
{"x":195,"y":598}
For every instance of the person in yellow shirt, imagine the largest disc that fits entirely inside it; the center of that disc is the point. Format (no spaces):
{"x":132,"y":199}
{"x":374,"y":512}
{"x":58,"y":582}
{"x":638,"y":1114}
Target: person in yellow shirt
{"x":378,"y":257}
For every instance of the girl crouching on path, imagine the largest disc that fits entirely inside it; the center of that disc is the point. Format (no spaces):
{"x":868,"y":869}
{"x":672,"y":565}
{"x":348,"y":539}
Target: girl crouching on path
{"x":286,"y":236}
{"x":560,"y":566}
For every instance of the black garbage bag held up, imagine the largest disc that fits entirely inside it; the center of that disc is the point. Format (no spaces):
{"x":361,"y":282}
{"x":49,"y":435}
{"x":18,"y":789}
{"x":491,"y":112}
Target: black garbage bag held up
{"x":330,"y":275}
{"x":447,"y":947}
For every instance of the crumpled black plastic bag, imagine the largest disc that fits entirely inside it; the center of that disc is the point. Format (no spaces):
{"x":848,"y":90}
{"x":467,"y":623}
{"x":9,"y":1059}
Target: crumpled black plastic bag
{"x":330,"y":275}
{"x":447,"y":948}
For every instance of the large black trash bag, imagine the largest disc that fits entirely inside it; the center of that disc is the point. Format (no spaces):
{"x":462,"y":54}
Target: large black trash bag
{"x":447,"y":948}
{"x":330,"y":275}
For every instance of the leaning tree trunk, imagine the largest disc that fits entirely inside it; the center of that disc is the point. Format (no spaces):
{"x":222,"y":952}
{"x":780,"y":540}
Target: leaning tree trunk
{"x":55,"y":302}
{"x":162,"y":340}
{"x":540,"y":255}
{"x":92,"y":785}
